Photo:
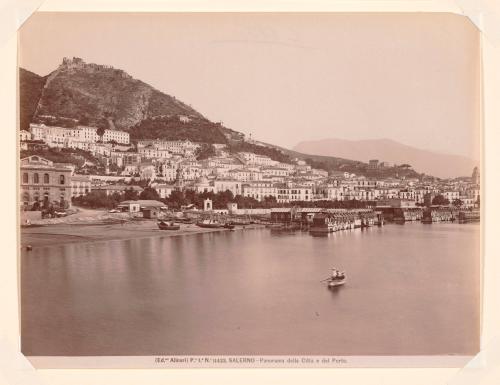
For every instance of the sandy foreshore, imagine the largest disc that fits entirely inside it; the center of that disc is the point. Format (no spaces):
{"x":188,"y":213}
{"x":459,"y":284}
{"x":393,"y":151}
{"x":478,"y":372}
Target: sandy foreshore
{"x":58,"y":234}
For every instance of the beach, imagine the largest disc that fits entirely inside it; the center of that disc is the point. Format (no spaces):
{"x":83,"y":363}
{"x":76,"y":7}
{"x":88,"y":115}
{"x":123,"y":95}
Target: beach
{"x":95,"y":226}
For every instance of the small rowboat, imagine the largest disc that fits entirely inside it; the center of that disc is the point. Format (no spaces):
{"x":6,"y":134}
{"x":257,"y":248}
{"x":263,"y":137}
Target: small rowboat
{"x":168,"y":226}
{"x":337,"y":278}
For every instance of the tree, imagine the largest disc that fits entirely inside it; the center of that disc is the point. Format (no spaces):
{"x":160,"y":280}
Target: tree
{"x":130,"y":195}
{"x":100,"y":131}
{"x":149,"y":193}
{"x":458,"y":203}
{"x":176,"y":199}
{"x":205,"y":151}
{"x":440,"y":200}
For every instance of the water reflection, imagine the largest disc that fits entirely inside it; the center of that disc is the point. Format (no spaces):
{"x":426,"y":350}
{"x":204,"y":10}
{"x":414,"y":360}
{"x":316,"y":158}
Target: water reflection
{"x":256,"y":292}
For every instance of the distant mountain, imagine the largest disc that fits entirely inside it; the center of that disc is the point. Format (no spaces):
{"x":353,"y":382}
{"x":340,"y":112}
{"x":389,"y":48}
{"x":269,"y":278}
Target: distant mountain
{"x":428,"y":162}
{"x":96,"y":95}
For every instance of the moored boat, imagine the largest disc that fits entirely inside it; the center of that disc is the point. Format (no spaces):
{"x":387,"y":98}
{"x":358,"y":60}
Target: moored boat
{"x":162,"y":225}
{"x":209,"y":224}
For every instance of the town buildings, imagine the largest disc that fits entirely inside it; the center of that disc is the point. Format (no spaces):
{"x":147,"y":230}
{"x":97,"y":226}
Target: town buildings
{"x":170,"y":165}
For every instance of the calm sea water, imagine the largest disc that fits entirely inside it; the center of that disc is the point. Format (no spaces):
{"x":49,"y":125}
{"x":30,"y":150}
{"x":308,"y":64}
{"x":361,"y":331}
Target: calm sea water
{"x":412,"y":289}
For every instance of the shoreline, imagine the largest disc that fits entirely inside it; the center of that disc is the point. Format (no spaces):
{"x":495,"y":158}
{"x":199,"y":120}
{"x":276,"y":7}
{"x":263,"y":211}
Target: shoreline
{"x":62,"y":234}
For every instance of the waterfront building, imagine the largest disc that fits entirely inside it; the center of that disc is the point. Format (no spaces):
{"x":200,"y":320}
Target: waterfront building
{"x":44,"y":184}
{"x":259,"y":190}
{"x":288,"y":192}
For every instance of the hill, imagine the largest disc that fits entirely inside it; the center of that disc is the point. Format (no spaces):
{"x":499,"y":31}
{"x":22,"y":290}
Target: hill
{"x":428,"y":162}
{"x":102,"y":96}
{"x":30,"y":91}
{"x":95,"y":95}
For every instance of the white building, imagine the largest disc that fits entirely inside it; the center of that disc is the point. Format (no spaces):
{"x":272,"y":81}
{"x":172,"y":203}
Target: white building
{"x":259,"y":190}
{"x":24,"y":135}
{"x":116,"y":136}
{"x":232,"y":185}
{"x":80,"y":185}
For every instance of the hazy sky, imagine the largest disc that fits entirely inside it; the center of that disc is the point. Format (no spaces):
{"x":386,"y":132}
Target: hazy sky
{"x":286,"y":78}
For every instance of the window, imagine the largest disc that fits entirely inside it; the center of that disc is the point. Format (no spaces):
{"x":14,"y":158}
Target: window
{"x":46,"y":178}
{"x":35,"y":178}
{"x":25,"y":177}
{"x":61,"y":179}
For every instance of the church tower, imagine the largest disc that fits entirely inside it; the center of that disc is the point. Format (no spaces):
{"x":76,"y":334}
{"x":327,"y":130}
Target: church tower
{"x":475,"y":176}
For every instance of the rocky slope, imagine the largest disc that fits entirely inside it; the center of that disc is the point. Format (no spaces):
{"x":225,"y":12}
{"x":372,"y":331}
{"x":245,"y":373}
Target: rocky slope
{"x":95,"y":95}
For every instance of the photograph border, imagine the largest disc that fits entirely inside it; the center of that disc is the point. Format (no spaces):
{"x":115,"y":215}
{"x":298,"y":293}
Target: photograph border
{"x":489,"y":91}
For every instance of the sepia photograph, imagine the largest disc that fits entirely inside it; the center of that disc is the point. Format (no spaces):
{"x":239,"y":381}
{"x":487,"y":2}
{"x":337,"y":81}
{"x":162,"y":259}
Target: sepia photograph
{"x":249,"y":187}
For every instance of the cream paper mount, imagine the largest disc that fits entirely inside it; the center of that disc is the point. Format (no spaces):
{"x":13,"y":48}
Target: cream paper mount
{"x":485,"y":15}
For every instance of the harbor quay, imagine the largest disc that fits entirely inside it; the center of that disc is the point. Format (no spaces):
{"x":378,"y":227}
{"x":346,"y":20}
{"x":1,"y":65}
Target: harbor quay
{"x":149,"y":218}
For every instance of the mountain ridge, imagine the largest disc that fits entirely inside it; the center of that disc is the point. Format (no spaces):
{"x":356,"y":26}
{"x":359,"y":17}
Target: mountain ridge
{"x":384,"y":149}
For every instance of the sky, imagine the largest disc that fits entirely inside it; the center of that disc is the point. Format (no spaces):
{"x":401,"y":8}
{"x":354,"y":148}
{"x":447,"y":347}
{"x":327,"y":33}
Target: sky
{"x":286,"y":78}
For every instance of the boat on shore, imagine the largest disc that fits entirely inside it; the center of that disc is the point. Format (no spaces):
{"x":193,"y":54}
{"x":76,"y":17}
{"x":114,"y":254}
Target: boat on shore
{"x":30,"y":225}
{"x":209,"y":224}
{"x":162,"y":225}
{"x":337,"y":278}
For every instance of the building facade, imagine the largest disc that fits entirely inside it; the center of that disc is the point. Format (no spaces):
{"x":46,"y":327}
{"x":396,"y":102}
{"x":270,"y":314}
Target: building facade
{"x":44,"y":184}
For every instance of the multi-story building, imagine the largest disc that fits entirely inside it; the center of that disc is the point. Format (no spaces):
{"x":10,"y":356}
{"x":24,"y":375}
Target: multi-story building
{"x":163,"y":190}
{"x":232,"y":185}
{"x":288,"y":192}
{"x":74,"y":137}
{"x":24,"y":135}
{"x":80,"y":185}
{"x":152,"y":152}
{"x":329,"y":192}
{"x":259,"y":190}
{"x":275,"y":171}
{"x":166,"y":171}
{"x":44,"y":184}
{"x":451,"y":195}
{"x":116,"y":136}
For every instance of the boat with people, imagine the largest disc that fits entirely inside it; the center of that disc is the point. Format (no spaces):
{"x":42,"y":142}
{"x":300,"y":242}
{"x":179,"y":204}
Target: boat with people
{"x":162,"y":225}
{"x":337,"y":278}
